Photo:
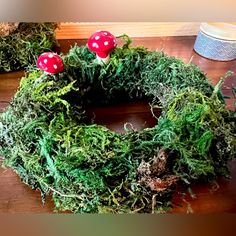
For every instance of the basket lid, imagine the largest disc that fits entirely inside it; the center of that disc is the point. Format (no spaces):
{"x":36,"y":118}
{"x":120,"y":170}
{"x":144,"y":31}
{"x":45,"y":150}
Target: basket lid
{"x":221,"y":30}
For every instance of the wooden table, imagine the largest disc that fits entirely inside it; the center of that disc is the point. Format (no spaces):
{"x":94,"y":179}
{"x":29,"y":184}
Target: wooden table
{"x":17,"y":197}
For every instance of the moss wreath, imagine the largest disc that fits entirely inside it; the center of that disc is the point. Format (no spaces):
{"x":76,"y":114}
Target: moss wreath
{"x":47,"y":139}
{"x":21,"y":46}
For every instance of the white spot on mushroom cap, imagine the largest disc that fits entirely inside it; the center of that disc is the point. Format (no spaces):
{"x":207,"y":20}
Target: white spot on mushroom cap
{"x":105,"y":33}
{"x":40,"y":63}
{"x":50,"y":55}
{"x":106,"y":43}
{"x":45,"y":61}
{"x":95,"y":45}
{"x":97,"y":37}
{"x":55,"y":66}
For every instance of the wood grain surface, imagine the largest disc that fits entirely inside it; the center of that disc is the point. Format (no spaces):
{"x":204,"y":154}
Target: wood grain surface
{"x":82,"y":30}
{"x":16,"y":197}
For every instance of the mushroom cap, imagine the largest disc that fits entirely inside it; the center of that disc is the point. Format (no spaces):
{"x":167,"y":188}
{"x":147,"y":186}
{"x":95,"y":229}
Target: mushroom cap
{"x":50,"y":62}
{"x":102,"y":42}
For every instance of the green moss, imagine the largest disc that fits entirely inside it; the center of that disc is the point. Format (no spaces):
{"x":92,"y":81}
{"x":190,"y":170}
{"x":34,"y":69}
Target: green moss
{"x":21,"y":48}
{"x":46,"y":138}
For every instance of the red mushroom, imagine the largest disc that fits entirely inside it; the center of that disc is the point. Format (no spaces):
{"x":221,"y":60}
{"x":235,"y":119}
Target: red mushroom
{"x":50,"y":63}
{"x":102,"y":43}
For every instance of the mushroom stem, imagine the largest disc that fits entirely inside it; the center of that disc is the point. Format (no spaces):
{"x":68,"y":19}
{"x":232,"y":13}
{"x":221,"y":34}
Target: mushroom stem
{"x":104,"y":60}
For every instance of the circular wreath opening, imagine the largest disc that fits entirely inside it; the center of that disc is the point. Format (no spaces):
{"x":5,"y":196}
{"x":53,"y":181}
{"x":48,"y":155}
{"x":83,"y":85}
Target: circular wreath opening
{"x":46,"y":137}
